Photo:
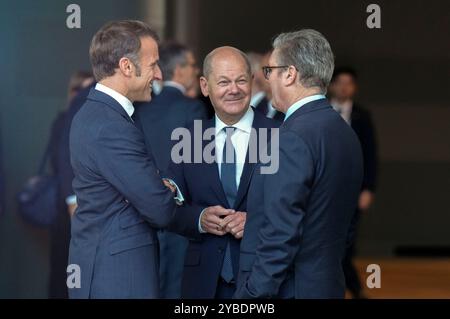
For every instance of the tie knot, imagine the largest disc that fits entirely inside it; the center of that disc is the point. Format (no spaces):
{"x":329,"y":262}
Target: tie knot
{"x":229,"y":130}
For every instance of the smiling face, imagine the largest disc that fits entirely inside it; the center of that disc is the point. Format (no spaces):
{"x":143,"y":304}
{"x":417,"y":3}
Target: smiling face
{"x":141,"y":82}
{"x":228,"y":85}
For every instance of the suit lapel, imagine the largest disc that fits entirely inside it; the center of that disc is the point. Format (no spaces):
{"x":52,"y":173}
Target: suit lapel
{"x":211,"y":171}
{"x":250,"y":167}
{"x":104,"y":98}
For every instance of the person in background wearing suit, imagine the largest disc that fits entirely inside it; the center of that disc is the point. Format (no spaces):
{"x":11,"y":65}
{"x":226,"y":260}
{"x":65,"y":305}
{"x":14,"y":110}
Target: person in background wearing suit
{"x":167,"y":111}
{"x":343,"y":88}
{"x":214,"y":210}
{"x":298,"y":219}
{"x":261,"y":94}
{"x":121,"y":197}
{"x":60,"y":162}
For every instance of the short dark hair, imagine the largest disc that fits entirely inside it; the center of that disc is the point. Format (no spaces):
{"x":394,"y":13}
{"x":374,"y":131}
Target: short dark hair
{"x":115,"y":40}
{"x":344,"y":70}
{"x":172,"y":54}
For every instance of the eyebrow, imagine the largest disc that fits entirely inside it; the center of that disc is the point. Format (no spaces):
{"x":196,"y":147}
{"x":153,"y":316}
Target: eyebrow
{"x":240,"y":77}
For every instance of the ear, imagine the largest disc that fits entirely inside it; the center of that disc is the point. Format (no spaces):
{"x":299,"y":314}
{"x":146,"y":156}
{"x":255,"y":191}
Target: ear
{"x":125,"y":66}
{"x":204,"y":86}
{"x":290,"y":76}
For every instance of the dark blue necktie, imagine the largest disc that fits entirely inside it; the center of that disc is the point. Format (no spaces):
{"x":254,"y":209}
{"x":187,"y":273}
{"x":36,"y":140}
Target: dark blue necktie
{"x":228,"y":178}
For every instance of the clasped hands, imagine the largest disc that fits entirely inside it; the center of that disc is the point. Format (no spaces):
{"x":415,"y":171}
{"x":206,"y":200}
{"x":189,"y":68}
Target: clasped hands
{"x":219,"y":221}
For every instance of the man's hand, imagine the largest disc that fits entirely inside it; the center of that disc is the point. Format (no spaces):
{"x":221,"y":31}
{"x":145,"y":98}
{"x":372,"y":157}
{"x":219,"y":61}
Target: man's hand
{"x":212,"y":218}
{"x":71,"y":209}
{"x":169,"y":185}
{"x":365,"y":200}
{"x":234,"y":224}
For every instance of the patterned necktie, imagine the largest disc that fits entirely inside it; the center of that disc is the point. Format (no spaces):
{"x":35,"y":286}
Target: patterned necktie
{"x":228,"y":179}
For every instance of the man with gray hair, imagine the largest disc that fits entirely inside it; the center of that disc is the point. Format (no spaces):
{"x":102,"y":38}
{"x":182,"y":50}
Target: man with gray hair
{"x":298,"y":219}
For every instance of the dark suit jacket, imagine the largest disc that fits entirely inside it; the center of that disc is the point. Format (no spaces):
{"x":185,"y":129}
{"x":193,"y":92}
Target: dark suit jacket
{"x":263,"y":108}
{"x":121,"y":201}
{"x":60,"y":229}
{"x":298,"y":218}
{"x":201,"y":186}
{"x":164,"y":113}
{"x":62,"y":159}
{"x":362,"y":124}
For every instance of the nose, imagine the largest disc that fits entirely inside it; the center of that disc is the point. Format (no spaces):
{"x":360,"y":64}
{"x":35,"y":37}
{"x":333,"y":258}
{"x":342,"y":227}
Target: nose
{"x":234,"y":88}
{"x":158,"y":74}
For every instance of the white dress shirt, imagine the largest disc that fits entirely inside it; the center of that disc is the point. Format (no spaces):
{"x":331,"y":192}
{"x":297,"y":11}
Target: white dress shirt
{"x":122,"y":100}
{"x":345,"y":109}
{"x":239,"y":139}
{"x":294,"y":107}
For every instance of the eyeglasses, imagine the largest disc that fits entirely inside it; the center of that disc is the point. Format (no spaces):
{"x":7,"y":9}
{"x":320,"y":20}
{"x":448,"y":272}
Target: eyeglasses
{"x":268,"y":69}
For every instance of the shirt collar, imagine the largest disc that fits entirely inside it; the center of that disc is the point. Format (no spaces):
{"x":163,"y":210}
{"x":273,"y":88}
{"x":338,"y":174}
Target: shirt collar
{"x":175,"y":85}
{"x":244,"y":124}
{"x":122,"y":100}
{"x":343,"y":107}
{"x":256,"y":98}
{"x":294,"y":107}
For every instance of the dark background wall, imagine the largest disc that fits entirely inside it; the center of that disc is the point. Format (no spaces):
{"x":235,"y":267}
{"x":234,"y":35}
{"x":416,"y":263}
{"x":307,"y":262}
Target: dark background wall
{"x":404,"y":80}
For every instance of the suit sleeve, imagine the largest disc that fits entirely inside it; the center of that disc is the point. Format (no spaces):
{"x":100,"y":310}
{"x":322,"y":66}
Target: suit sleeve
{"x":185,"y":221}
{"x":65,"y":171}
{"x":286,"y":195}
{"x":122,"y":159}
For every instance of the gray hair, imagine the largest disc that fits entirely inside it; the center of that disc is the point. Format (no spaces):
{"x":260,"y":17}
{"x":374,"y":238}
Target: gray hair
{"x":310,"y":53}
{"x":171,"y":55}
{"x":207,"y":67}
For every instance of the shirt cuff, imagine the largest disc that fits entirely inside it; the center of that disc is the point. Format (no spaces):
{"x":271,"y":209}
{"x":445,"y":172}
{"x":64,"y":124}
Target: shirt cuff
{"x":179,"y":199}
{"x":71,"y":200}
{"x":200,"y":229}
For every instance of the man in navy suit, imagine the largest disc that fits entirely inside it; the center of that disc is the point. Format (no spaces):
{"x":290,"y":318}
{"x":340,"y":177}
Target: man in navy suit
{"x":215,"y":189}
{"x":167,"y":111}
{"x":120,"y":195}
{"x":299,"y":218}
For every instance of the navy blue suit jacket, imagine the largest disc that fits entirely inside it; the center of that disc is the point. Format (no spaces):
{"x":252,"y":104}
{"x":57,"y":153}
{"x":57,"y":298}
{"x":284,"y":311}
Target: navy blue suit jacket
{"x":362,"y":124}
{"x":121,"y":201}
{"x":62,"y":160}
{"x":298,"y":218}
{"x":201,"y":187}
{"x":263,"y":108}
{"x":159,"y":117}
